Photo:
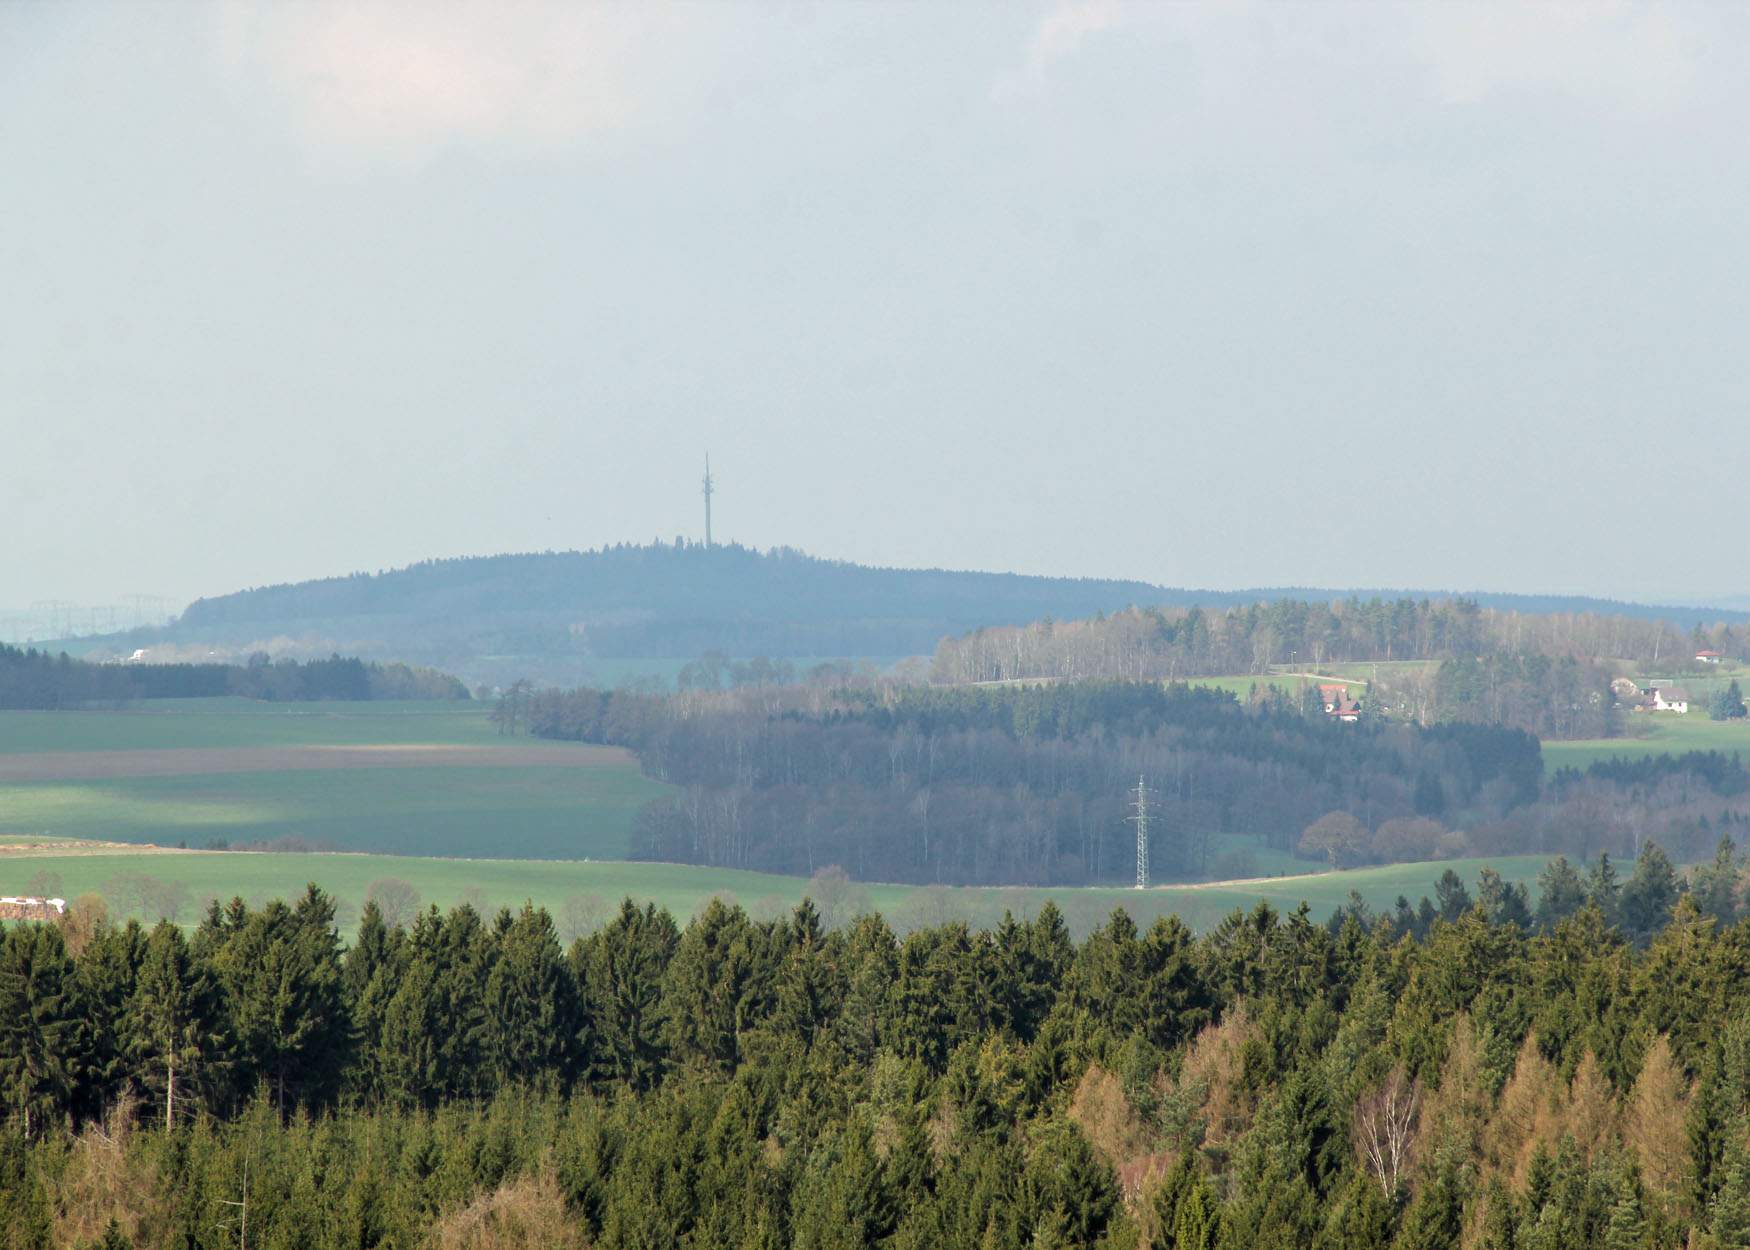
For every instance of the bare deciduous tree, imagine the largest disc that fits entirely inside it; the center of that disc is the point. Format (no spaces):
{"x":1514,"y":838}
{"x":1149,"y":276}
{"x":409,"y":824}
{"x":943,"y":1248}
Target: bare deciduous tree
{"x":1385,"y":1128}
{"x":395,"y":899}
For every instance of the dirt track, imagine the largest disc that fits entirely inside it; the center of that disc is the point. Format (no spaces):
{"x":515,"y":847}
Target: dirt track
{"x":191,"y":761}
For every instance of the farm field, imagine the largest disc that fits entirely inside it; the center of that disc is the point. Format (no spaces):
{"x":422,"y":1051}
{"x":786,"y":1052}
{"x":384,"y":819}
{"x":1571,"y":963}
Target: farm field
{"x":415,"y":778}
{"x":230,"y":722}
{"x":594,"y":888}
{"x":1667,"y":734}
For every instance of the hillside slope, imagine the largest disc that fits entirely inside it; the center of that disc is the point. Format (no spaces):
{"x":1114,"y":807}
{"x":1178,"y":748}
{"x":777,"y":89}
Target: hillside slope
{"x":550,"y":614}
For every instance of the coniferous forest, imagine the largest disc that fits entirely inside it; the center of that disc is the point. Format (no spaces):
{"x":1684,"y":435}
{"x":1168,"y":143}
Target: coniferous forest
{"x":1488,"y":1070}
{"x":42,"y":681}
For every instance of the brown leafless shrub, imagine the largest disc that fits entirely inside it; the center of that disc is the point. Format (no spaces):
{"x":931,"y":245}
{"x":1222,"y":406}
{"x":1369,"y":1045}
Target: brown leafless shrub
{"x":524,"y":1214}
{"x":102,"y":1179}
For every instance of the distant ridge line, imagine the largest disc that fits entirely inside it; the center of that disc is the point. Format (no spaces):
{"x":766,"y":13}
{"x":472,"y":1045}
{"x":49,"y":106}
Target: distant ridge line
{"x":1149,"y":594}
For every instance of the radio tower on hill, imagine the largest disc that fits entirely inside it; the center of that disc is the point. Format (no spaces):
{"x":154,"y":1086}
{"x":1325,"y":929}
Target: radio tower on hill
{"x":710,"y":489}
{"x":1140,"y":807}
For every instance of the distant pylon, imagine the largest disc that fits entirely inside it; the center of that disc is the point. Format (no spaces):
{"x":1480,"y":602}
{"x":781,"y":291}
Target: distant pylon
{"x":710,"y":489}
{"x":1139,"y":806}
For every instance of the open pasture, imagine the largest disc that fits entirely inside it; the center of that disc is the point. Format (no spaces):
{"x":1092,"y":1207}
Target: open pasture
{"x":164,"y":724}
{"x":414,"y":778}
{"x":590,"y":889}
{"x":1663,"y":733}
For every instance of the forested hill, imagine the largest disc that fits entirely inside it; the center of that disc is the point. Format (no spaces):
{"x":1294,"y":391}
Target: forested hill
{"x":629,"y":592}
{"x":684,"y":600}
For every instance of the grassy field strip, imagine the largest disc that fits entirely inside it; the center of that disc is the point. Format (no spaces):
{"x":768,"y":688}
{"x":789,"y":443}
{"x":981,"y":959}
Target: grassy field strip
{"x":199,"y":761}
{"x":399,"y":778}
{"x":203,"y":723}
{"x":682,"y":889}
{"x":1666,"y":734}
{"x":538,"y":811}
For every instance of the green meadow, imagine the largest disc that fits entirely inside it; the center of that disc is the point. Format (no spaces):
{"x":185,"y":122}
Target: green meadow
{"x":540,"y":812}
{"x":532,"y":810}
{"x":1659,"y":733}
{"x":574,"y":887}
{"x":229,"y":722}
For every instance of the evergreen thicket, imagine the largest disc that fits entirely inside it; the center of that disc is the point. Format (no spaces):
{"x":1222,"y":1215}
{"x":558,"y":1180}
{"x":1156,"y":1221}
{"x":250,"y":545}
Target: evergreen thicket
{"x":1489,"y":1073}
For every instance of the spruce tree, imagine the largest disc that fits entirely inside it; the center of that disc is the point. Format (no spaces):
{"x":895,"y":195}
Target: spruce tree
{"x":41,"y":1027}
{"x":1650,"y":893}
{"x":532,"y":1004}
{"x":1603,"y":891}
{"x":1561,"y":893}
{"x":178,"y":1038}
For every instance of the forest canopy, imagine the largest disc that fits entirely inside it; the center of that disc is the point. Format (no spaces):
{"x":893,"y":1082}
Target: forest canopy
{"x":1482,"y":1069}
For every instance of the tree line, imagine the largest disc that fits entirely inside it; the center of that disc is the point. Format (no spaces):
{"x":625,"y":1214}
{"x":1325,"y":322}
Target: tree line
{"x":1475,"y":1071}
{"x":42,"y":681}
{"x":1019,"y":786}
{"x":1174,"y":643}
{"x":1031,"y":785}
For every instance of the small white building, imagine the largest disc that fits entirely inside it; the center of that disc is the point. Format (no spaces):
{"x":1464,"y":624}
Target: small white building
{"x":1669,"y":698}
{"x":1708,"y":657}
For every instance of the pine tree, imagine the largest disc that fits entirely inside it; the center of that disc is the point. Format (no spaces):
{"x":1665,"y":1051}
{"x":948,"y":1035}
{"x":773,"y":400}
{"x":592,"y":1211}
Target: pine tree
{"x":178,"y":1035}
{"x":1197,"y":1223}
{"x":1500,"y":1218}
{"x":1626,"y":1228}
{"x":1729,"y":1212}
{"x":280,"y":972}
{"x":1454,"y":899}
{"x":1715,"y":885}
{"x":711,"y":993}
{"x":531,"y":1001}
{"x":1602,"y":888}
{"x":1561,"y":893}
{"x":809,"y":991}
{"x":41,"y":1034}
{"x":1650,"y":893}
{"x":872,"y":960}
{"x":105,"y":975}
{"x":1169,"y":1196}
{"x":623,"y":965}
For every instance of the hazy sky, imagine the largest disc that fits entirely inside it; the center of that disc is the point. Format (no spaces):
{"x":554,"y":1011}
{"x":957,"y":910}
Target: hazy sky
{"x":1219,"y":295}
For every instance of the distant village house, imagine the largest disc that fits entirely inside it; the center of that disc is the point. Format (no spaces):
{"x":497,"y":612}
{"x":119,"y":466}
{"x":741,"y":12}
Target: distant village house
{"x":1669,"y":698}
{"x":1338,"y":703}
{"x":1708,"y":657}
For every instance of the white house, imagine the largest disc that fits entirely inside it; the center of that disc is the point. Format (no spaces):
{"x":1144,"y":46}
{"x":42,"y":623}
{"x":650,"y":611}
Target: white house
{"x":1708,"y":657}
{"x":1669,"y":698}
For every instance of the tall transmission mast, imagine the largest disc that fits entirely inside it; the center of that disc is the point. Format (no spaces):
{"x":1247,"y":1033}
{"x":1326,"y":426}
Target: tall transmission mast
{"x":710,"y":488}
{"x":1139,"y":808}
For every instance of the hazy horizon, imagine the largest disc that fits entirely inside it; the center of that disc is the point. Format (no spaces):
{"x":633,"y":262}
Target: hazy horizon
{"x":1215,"y":296}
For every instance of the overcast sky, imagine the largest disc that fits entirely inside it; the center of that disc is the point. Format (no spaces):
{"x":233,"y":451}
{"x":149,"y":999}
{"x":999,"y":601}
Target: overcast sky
{"x":1214,"y":295}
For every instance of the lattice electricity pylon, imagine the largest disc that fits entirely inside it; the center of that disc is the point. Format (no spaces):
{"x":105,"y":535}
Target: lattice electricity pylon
{"x":1139,"y":817}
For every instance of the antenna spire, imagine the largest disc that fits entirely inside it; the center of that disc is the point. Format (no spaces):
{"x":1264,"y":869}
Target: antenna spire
{"x":710,"y":488}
